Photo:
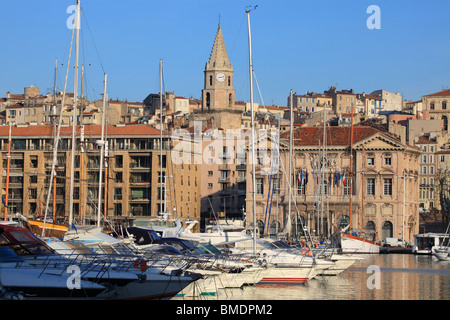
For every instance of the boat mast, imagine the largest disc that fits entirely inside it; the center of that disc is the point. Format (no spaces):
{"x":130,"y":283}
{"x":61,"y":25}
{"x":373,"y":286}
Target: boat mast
{"x":252,"y":129}
{"x":7,"y":171}
{"x":290,"y":164}
{"x":56,"y":138}
{"x":322,"y":201}
{"x":102,"y":154}
{"x":74,"y":116}
{"x":162,"y":208}
{"x":351,"y":171}
{"x":362,"y":186}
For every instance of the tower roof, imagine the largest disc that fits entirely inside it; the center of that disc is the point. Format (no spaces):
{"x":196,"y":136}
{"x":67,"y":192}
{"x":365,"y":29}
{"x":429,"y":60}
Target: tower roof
{"x":218,"y":60}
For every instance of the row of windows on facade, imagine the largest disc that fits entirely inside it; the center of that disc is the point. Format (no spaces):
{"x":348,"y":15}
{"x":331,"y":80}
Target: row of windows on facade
{"x":443,"y":105}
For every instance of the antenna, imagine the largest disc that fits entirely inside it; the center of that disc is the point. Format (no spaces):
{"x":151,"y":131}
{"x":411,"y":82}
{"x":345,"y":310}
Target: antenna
{"x":248,"y":10}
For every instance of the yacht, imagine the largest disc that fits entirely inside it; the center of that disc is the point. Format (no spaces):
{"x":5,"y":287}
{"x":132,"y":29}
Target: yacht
{"x":428,"y":243}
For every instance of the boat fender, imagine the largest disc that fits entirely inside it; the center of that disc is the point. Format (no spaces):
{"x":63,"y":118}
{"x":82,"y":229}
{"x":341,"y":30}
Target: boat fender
{"x":140,"y":264}
{"x":306,"y":252}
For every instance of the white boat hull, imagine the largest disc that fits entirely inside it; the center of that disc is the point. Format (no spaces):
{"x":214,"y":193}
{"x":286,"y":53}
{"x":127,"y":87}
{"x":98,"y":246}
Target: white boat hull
{"x":287,"y":276}
{"x":353,"y":244}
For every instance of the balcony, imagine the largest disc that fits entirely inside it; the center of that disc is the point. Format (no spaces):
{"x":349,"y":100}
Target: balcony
{"x":224,"y":167}
{"x":241,"y":167}
{"x":224,"y":180}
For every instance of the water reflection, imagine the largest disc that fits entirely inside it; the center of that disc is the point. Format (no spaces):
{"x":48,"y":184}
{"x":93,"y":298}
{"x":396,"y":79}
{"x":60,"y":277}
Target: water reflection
{"x":400,"y":277}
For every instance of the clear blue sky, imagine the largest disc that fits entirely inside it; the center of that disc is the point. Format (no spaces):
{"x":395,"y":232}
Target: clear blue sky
{"x":297,"y":44}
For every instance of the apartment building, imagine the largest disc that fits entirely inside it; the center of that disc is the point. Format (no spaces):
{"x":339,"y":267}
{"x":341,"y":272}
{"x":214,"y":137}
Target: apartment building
{"x":343,"y":101}
{"x":427,"y":172}
{"x":311,"y":102}
{"x":136,"y":173}
{"x":436,"y":106}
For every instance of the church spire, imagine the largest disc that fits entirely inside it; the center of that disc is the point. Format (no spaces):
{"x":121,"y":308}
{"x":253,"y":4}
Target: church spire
{"x":218,"y":60}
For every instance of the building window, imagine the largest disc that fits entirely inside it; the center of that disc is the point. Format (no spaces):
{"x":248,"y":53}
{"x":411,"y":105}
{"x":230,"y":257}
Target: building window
{"x":371,"y":161}
{"x":444,"y":105}
{"x":371,"y":186}
{"x":210,"y":185}
{"x":432,"y":105}
{"x":275,"y":186}
{"x":388,"y":161}
{"x":117,"y":193}
{"x":259,"y":186}
{"x":388,"y":186}
{"x":347,"y":187}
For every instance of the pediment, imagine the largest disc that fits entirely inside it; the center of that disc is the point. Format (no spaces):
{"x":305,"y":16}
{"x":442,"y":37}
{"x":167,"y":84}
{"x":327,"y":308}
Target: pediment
{"x":379,"y":142}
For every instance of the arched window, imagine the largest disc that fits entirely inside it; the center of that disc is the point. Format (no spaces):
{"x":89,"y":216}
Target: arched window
{"x":444,"y":105}
{"x":298,"y":222}
{"x":229,"y":81}
{"x":432,"y":105}
{"x":370,"y":226}
{"x":230,"y":100}
{"x":445,"y":120}
{"x":260,"y":227}
{"x":343,"y":222}
{"x":387,"y":230}
{"x":208,"y":99}
{"x":210,"y":80}
{"x":274,"y":228}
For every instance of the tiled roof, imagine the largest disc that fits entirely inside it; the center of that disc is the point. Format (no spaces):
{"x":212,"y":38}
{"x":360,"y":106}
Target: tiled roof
{"x":90,"y":130}
{"x":425,"y":140}
{"x":335,"y":136}
{"x":439,"y":94}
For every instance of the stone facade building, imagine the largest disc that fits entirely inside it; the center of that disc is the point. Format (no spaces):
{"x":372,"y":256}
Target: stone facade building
{"x":321,"y":190}
{"x":132,"y":167}
{"x":437,"y":106}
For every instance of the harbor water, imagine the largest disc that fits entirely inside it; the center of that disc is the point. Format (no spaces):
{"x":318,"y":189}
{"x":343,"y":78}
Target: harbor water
{"x":376,"y":277}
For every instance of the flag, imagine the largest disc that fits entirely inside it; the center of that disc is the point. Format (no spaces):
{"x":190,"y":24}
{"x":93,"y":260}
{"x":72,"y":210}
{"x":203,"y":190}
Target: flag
{"x":4,"y":203}
{"x":74,"y":228}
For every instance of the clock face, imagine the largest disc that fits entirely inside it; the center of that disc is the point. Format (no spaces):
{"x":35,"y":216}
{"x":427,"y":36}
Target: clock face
{"x":220,"y":77}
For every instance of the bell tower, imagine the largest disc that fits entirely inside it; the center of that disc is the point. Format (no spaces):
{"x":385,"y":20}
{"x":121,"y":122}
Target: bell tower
{"x":218,"y":93}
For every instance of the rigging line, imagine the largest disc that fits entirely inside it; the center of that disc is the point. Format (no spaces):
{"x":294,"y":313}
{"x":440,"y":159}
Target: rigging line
{"x":257,"y":85}
{"x":238,"y":33}
{"x":90,"y":33}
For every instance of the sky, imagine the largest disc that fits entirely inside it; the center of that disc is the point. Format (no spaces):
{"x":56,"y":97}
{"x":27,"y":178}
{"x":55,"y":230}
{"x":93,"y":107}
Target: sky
{"x":299,"y":45}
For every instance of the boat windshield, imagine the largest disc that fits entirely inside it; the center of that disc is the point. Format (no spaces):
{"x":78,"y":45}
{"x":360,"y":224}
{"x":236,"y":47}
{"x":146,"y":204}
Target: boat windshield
{"x":208,"y":248}
{"x":282,"y":244}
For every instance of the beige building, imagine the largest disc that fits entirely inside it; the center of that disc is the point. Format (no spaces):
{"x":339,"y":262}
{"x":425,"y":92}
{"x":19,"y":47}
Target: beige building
{"x":132,"y":167}
{"x":436,"y":106}
{"x":311,"y":102}
{"x":427,"y":172}
{"x":343,"y":101}
{"x":390,"y":101}
{"x":321,"y":198}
